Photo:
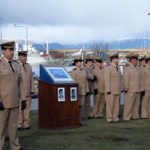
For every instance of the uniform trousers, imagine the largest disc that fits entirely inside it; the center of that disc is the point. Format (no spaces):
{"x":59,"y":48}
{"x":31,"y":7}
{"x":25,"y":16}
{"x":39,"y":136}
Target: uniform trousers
{"x":81,"y":107}
{"x":9,"y":117}
{"x":99,"y":104}
{"x":131,"y":106}
{"x":145,"y":111}
{"x":112,"y":107}
{"x":24,"y":115}
{"x":87,"y":106}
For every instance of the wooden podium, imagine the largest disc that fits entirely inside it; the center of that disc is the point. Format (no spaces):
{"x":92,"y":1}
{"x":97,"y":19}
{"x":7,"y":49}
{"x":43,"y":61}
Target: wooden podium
{"x":55,"y":112}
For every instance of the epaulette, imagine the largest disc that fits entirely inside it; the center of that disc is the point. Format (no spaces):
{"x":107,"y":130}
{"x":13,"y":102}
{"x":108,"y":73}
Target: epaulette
{"x":127,"y":65}
{"x":107,"y":65}
{"x":74,"y":68}
{"x":28,"y":64}
{"x":15,"y":61}
{"x":84,"y":68}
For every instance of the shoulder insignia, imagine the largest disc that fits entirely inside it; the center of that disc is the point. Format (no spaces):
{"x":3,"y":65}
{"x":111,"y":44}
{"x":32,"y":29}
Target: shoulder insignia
{"x":127,"y":65}
{"x":15,"y":61}
{"x":74,"y":68}
{"x":108,"y":65}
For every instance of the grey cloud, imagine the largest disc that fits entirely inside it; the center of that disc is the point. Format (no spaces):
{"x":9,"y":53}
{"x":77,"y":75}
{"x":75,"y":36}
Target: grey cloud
{"x":73,"y":12}
{"x":96,"y":18}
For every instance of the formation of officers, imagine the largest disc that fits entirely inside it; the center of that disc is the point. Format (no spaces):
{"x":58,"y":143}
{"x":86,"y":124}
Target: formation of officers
{"x":16,"y":87}
{"x":106,"y":82}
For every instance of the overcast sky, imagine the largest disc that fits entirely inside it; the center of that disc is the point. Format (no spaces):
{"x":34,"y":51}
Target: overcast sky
{"x":75,"y":21}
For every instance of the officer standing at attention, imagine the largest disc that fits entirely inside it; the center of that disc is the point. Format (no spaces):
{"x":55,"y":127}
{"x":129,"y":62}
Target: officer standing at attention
{"x":126,"y":64}
{"x":145,"y":112}
{"x":27,"y":85}
{"x":112,"y":78}
{"x":128,"y":61}
{"x":90,"y":79}
{"x":142,"y":65}
{"x":10,"y":78}
{"x":79,"y":75}
{"x":132,"y":88}
{"x":99,"y":96}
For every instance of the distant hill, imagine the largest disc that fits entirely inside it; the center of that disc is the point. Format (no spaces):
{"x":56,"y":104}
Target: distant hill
{"x":122,"y":44}
{"x":130,"y":43}
{"x":55,"y":46}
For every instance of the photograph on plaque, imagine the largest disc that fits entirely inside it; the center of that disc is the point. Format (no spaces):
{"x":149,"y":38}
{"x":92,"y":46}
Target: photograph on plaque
{"x":59,"y":74}
{"x":73,"y":94}
{"x":61,"y":94}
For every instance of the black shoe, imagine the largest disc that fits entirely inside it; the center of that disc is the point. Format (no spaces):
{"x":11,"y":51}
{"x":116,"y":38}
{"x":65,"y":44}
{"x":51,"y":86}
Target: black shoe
{"x":135,"y":118}
{"x":110,"y":121}
{"x":81,"y":124}
{"x":20,"y":129}
{"x":117,"y":121}
{"x":20,"y":149}
{"x":143,"y":118}
{"x":101,"y":117}
{"x":89,"y":117}
{"x":28,"y":128}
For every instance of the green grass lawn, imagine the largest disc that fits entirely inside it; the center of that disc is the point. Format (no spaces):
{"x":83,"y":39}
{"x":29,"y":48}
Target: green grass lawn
{"x":97,"y":134}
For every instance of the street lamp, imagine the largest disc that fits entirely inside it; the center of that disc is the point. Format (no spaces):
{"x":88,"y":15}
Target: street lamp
{"x":148,"y":14}
{"x":1,"y":30}
{"x":26,"y":31}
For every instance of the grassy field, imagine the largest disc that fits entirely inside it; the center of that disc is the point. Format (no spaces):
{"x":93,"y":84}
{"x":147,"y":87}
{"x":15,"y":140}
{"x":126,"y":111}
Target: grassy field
{"x":95,"y":135}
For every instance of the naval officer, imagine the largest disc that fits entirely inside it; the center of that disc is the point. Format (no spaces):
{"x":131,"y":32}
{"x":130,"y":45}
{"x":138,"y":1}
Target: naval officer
{"x":145,"y":109}
{"x":112,"y":79}
{"x":27,"y":85}
{"x":79,"y":75}
{"x":90,"y":80}
{"x":10,"y":79}
{"x":133,"y":87}
{"x":99,"y":96}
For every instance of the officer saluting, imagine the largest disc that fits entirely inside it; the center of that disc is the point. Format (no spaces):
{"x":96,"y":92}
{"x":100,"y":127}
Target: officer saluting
{"x":10,"y":78}
{"x":27,"y":86}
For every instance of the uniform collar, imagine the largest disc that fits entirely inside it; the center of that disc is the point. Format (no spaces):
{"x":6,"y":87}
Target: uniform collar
{"x":147,"y":66}
{"x":98,"y":68}
{"x":113,"y":65}
{"x":20,"y":62}
{"x":5,"y":59}
{"x":78,"y":68}
{"x":134,"y":67}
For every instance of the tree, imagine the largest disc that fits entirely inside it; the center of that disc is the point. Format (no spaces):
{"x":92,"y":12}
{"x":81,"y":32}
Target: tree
{"x":99,"y":49}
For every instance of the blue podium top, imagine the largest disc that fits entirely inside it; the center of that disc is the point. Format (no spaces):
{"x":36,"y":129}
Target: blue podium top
{"x":54,"y":75}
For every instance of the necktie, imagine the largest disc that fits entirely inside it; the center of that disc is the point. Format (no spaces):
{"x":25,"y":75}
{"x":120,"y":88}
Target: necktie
{"x":24,"y":67}
{"x":117,"y":68}
{"x":10,"y":63}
